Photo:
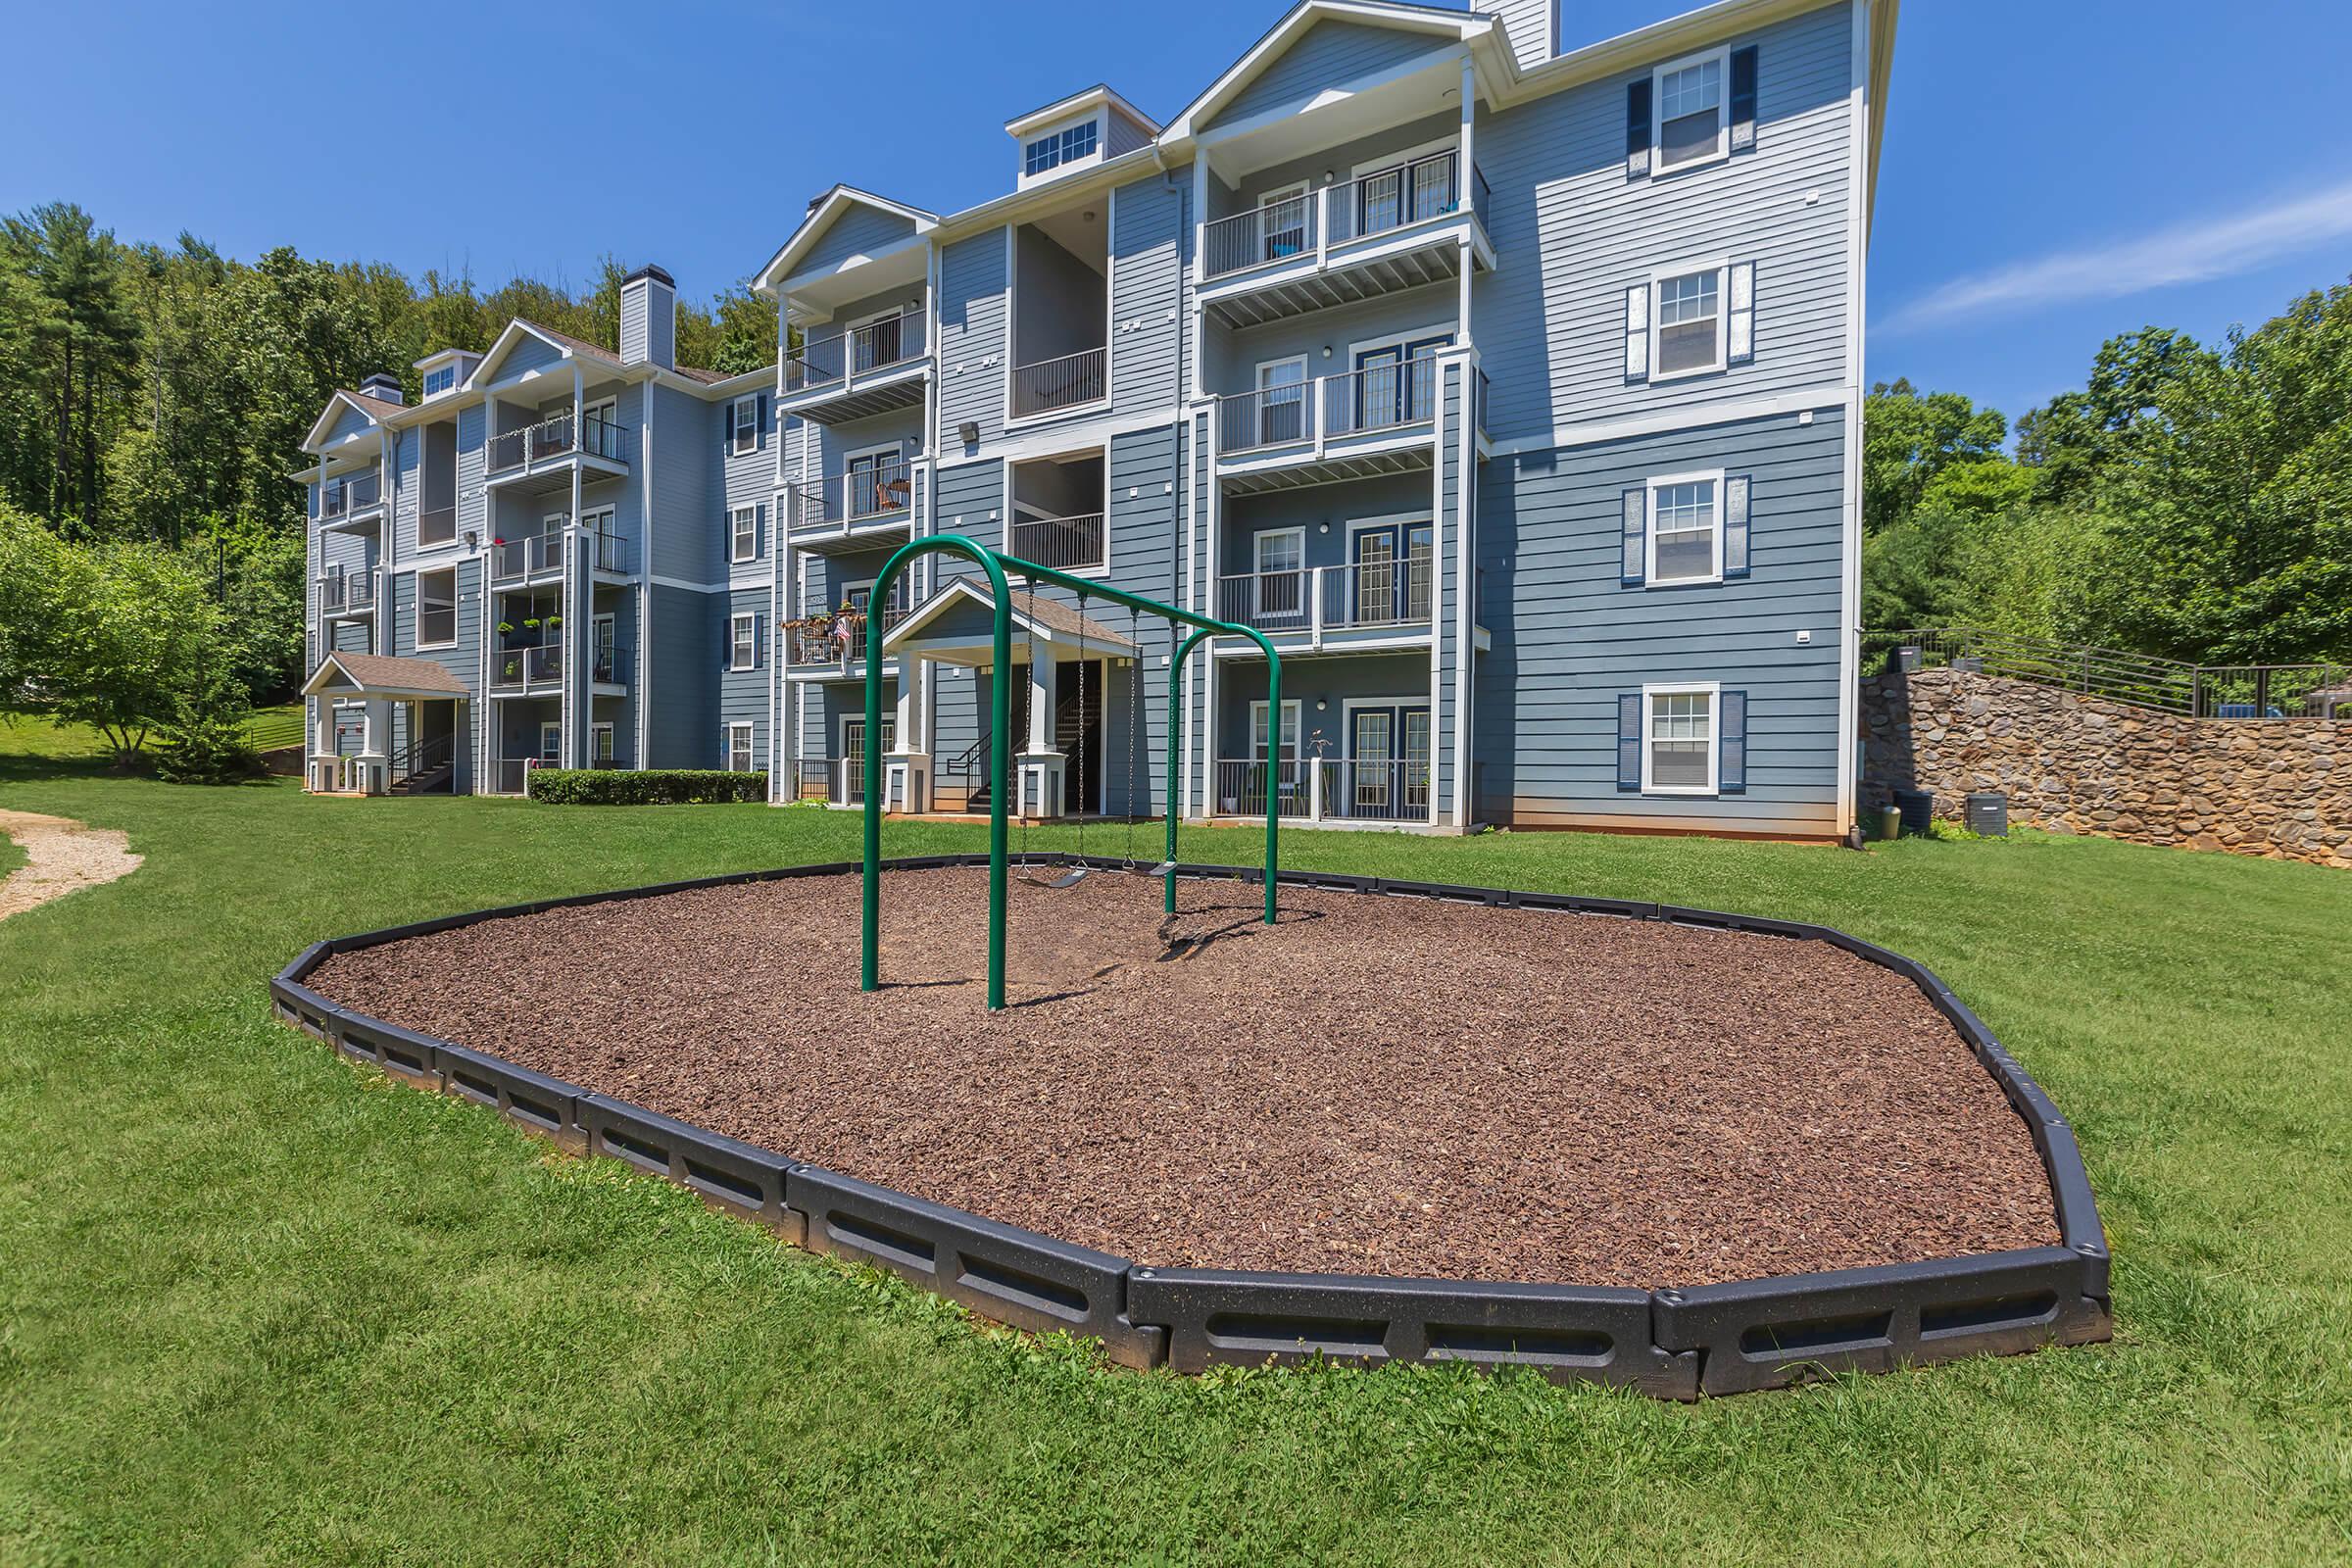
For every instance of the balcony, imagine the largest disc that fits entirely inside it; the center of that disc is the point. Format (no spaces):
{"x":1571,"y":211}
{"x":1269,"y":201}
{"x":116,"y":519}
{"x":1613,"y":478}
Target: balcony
{"x":527,"y":670}
{"x":343,"y":594}
{"x":551,"y":448}
{"x":865,"y":371}
{"x":1371,"y":602}
{"x":1052,"y":385}
{"x":609,"y":666}
{"x":1326,"y":789}
{"x":1066,"y":544}
{"x":537,"y":558}
{"x":1394,"y":229}
{"x":834,"y":647}
{"x":868,"y":506}
{"x":355,"y":500}
{"x":1353,"y":425}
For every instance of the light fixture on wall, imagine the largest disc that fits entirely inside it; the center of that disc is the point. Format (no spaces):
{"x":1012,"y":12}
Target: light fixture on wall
{"x":1327,"y":351}
{"x":968,"y":432}
{"x":1322,"y":704}
{"x":1322,"y":527}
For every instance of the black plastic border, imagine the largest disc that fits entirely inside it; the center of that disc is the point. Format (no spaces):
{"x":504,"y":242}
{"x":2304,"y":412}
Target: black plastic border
{"x":1674,"y":1343}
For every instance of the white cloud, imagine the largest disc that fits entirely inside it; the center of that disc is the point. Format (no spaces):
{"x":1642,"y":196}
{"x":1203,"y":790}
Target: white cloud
{"x":2186,"y":253}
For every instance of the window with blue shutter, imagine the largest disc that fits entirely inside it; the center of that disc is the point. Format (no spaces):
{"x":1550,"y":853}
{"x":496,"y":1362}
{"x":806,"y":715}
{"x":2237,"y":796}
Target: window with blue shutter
{"x":1736,"y":488}
{"x":760,"y":439}
{"x":1629,"y":742}
{"x":1744,"y":99}
{"x":1637,"y":128}
{"x":1730,"y":744}
{"x":1634,"y":529}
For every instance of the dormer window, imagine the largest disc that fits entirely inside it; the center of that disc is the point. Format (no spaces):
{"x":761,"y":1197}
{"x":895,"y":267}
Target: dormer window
{"x":440,"y":380}
{"x":1057,"y":148}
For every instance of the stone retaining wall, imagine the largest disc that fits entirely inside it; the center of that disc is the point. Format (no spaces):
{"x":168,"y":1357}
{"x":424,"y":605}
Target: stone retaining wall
{"x":2071,"y":763}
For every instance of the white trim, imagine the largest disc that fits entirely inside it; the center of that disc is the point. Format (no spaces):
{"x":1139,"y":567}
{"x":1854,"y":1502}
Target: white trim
{"x":1720,"y":54}
{"x":735,"y":446}
{"x":417,"y":605}
{"x":1802,"y":400}
{"x":1294,"y":714}
{"x":1258,"y":568}
{"x":1713,"y":692}
{"x":737,"y":556}
{"x":1721,"y":267}
{"x":1865,"y":107}
{"x":541,"y":756}
{"x":743,"y":631}
{"x":750,"y":751}
{"x":1412,"y":155}
{"x":613,"y":748}
{"x":1650,"y":529}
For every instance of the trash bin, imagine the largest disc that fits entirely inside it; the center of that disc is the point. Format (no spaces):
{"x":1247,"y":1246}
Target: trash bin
{"x":1917,"y":808}
{"x":1884,"y":822}
{"x":1988,"y":813}
{"x":1907,"y":661}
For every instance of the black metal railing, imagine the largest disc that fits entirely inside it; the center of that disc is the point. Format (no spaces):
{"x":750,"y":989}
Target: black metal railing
{"x":1064,"y":543}
{"x":593,"y":436}
{"x":1068,"y":383}
{"x":343,"y":497}
{"x":882,"y":345}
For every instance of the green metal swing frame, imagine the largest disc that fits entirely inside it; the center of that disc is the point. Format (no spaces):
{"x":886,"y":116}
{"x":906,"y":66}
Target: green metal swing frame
{"x":994,"y":562}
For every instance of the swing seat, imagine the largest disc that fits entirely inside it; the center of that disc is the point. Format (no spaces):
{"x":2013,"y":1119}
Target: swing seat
{"x":1164,"y":868}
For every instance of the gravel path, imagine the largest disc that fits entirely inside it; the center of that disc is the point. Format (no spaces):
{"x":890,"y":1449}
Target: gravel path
{"x":60,"y":857}
{"x":1383,"y":1086}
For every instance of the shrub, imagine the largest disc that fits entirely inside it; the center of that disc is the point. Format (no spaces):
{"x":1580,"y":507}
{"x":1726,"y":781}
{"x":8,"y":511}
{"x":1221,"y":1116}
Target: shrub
{"x":204,"y":741}
{"x":658,"y":786}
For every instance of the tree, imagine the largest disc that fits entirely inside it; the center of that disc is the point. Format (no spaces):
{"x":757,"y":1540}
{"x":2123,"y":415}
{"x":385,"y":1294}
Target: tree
{"x":115,"y":636}
{"x":1910,"y":437}
{"x":76,"y":341}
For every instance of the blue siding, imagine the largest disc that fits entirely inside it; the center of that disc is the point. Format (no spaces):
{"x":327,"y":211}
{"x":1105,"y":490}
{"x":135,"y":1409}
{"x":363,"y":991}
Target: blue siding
{"x":858,"y":231}
{"x":348,"y":422}
{"x":971,"y":336}
{"x":1147,"y":293}
{"x":530,"y":352}
{"x":1568,"y":637}
{"x":687,"y":650}
{"x":1326,"y":55}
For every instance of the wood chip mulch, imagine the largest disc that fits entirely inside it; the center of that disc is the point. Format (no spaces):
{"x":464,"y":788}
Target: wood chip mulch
{"x":1380,"y":1085}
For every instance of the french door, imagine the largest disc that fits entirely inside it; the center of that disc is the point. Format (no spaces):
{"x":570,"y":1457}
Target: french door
{"x":1281,"y":402}
{"x":1282,"y":218}
{"x":1388,"y":756}
{"x":853,"y":752}
{"x":1388,"y":573}
{"x":1396,"y":383}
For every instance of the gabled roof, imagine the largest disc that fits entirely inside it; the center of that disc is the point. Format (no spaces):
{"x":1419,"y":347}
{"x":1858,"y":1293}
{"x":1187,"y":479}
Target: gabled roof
{"x":820,"y":217}
{"x":345,"y":674}
{"x":374,"y":410}
{"x":1085,"y":99}
{"x":1033,"y":615}
{"x":564,"y":343}
{"x":1438,"y":23}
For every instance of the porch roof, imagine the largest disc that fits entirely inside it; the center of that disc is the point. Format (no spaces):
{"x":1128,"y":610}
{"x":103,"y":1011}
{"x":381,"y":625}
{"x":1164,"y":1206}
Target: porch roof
{"x":956,"y":627}
{"x":375,"y":675}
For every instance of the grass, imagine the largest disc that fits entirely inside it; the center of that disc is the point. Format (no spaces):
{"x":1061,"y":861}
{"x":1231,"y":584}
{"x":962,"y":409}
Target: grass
{"x":262,"y":1306}
{"x":268,"y":728}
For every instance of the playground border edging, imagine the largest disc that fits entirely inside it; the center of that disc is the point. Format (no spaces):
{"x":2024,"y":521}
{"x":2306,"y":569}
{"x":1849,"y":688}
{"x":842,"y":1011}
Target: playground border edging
{"x":1670,"y":1342}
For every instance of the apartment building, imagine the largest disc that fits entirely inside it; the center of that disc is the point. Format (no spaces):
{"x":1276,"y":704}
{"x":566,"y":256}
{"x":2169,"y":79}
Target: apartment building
{"x":1511,"y":390}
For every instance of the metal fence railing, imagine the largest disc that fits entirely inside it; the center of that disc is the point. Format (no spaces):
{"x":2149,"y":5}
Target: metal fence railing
{"x":1382,"y":789}
{"x":1067,"y":382}
{"x":346,"y":592}
{"x":2141,"y":680}
{"x":518,"y":559}
{"x":1241,"y":785}
{"x":1391,"y":396}
{"x":881,"y":345}
{"x":1364,"y":593}
{"x":1406,"y":193}
{"x":595,"y":436}
{"x":865,"y":494}
{"x":1064,"y":543}
{"x":515,"y":669}
{"x":341,"y":498}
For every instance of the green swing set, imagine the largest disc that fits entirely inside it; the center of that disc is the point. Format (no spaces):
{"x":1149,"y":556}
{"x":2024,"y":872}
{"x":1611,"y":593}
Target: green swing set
{"x":996,"y":563}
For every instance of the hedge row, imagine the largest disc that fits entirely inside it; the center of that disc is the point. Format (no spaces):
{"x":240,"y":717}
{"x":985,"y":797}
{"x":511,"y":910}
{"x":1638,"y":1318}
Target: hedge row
{"x":653,"y":786}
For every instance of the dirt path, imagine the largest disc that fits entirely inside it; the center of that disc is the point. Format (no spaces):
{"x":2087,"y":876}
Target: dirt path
{"x":60,"y":857}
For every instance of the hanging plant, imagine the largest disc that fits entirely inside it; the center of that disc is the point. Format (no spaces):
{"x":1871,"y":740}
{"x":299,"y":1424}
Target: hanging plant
{"x":530,"y":623}
{"x":506,"y":628}
{"x":553,"y":621}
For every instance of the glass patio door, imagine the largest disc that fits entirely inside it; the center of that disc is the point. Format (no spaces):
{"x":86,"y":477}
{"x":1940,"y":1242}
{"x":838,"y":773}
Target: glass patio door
{"x":1281,"y":402}
{"x":853,"y":754}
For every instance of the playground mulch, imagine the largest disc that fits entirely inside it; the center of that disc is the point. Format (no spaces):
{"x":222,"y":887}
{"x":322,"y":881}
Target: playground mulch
{"x":1375,"y":1085}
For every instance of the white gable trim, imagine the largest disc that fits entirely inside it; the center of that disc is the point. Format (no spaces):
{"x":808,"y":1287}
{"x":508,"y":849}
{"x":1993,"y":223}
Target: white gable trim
{"x":1465,"y":27}
{"x":835,"y":202}
{"x":517,"y":330}
{"x":326,"y":419}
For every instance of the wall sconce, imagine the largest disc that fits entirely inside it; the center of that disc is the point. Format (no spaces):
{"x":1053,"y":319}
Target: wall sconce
{"x":1322,"y":704}
{"x":473,"y":539}
{"x":968,"y":432}
{"x":1327,"y":351}
{"x":1322,"y":527}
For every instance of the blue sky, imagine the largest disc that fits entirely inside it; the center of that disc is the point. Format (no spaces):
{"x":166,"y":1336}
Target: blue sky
{"x":2054,"y":173}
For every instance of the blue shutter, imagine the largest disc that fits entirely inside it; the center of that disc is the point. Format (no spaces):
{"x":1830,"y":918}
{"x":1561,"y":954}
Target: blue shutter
{"x":1637,"y":128}
{"x":762,"y":439}
{"x":1744,"y":99}
{"x":1635,"y":532}
{"x":1731,"y":743}
{"x":758,"y":640}
{"x":1629,"y":742}
{"x":1735,"y":489}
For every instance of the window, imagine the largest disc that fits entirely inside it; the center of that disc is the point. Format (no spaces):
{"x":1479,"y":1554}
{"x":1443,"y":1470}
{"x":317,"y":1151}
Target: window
{"x":1283,"y":216}
{"x":1280,"y":584}
{"x":600,"y":746}
{"x":1686,"y":534}
{"x":1057,"y":148}
{"x":1288,"y":750}
{"x":1691,"y":127}
{"x":743,"y":642}
{"x":743,"y":424}
{"x":1689,"y":330}
{"x":437,"y":486}
{"x":744,"y":534}
{"x":440,"y":380}
{"x":739,"y":747}
{"x":1281,"y":402}
{"x":437,"y":609}
{"x":1677,"y":751}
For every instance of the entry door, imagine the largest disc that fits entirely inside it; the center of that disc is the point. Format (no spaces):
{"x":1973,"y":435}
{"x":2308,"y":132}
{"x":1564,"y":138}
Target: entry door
{"x":1281,"y":402}
{"x":601,"y":650}
{"x":1392,"y":573}
{"x":853,"y":752}
{"x":874,"y":483}
{"x":1389,"y":748}
{"x":551,"y":743}
{"x":1397,"y":384}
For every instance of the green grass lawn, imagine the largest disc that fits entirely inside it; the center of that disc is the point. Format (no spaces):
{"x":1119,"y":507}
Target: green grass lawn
{"x":262,"y":1306}
{"x":268,"y":728}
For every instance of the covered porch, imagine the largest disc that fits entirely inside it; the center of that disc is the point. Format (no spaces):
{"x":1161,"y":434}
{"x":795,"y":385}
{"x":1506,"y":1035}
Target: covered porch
{"x":411,"y":714}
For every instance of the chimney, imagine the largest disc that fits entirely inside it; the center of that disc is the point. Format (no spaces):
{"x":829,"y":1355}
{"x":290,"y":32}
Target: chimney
{"x":649,"y":319}
{"x":383,"y":387}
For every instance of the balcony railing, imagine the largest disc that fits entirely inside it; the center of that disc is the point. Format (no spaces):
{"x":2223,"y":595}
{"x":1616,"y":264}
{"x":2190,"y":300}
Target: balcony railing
{"x":840,"y":640}
{"x":519,"y":560}
{"x":437,"y":525}
{"x":840,"y":360}
{"x":1064,"y":543}
{"x":610,"y":665}
{"x":346,"y":593}
{"x":1068,"y":383}
{"x":608,"y":551}
{"x":861,"y":495}
{"x":517,"y":668}
{"x":1368,"y":594}
{"x":1242,"y":786}
{"x":595,"y":437}
{"x":1406,"y":193}
{"x":1392,"y":396}
{"x":511,"y":775}
{"x":1326,"y":789}
{"x":344,"y":497}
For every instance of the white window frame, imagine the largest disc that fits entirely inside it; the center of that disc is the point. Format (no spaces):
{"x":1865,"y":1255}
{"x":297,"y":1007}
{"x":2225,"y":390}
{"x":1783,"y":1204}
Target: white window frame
{"x":1721,"y":58}
{"x":1259,"y":569}
{"x":739,"y":426}
{"x":447,"y":387}
{"x":738,"y":551}
{"x":1293,"y":719}
{"x":1649,"y":530}
{"x":416,"y":607}
{"x":1658,"y":279}
{"x":743,"y":631}
{"x":1713,"y":692}
{"x":603,"y":728}
{"x":547,"y":727}
{"x":1307,"y":391}
{"x":742,"y":728}
{"x":1059,"y":136}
